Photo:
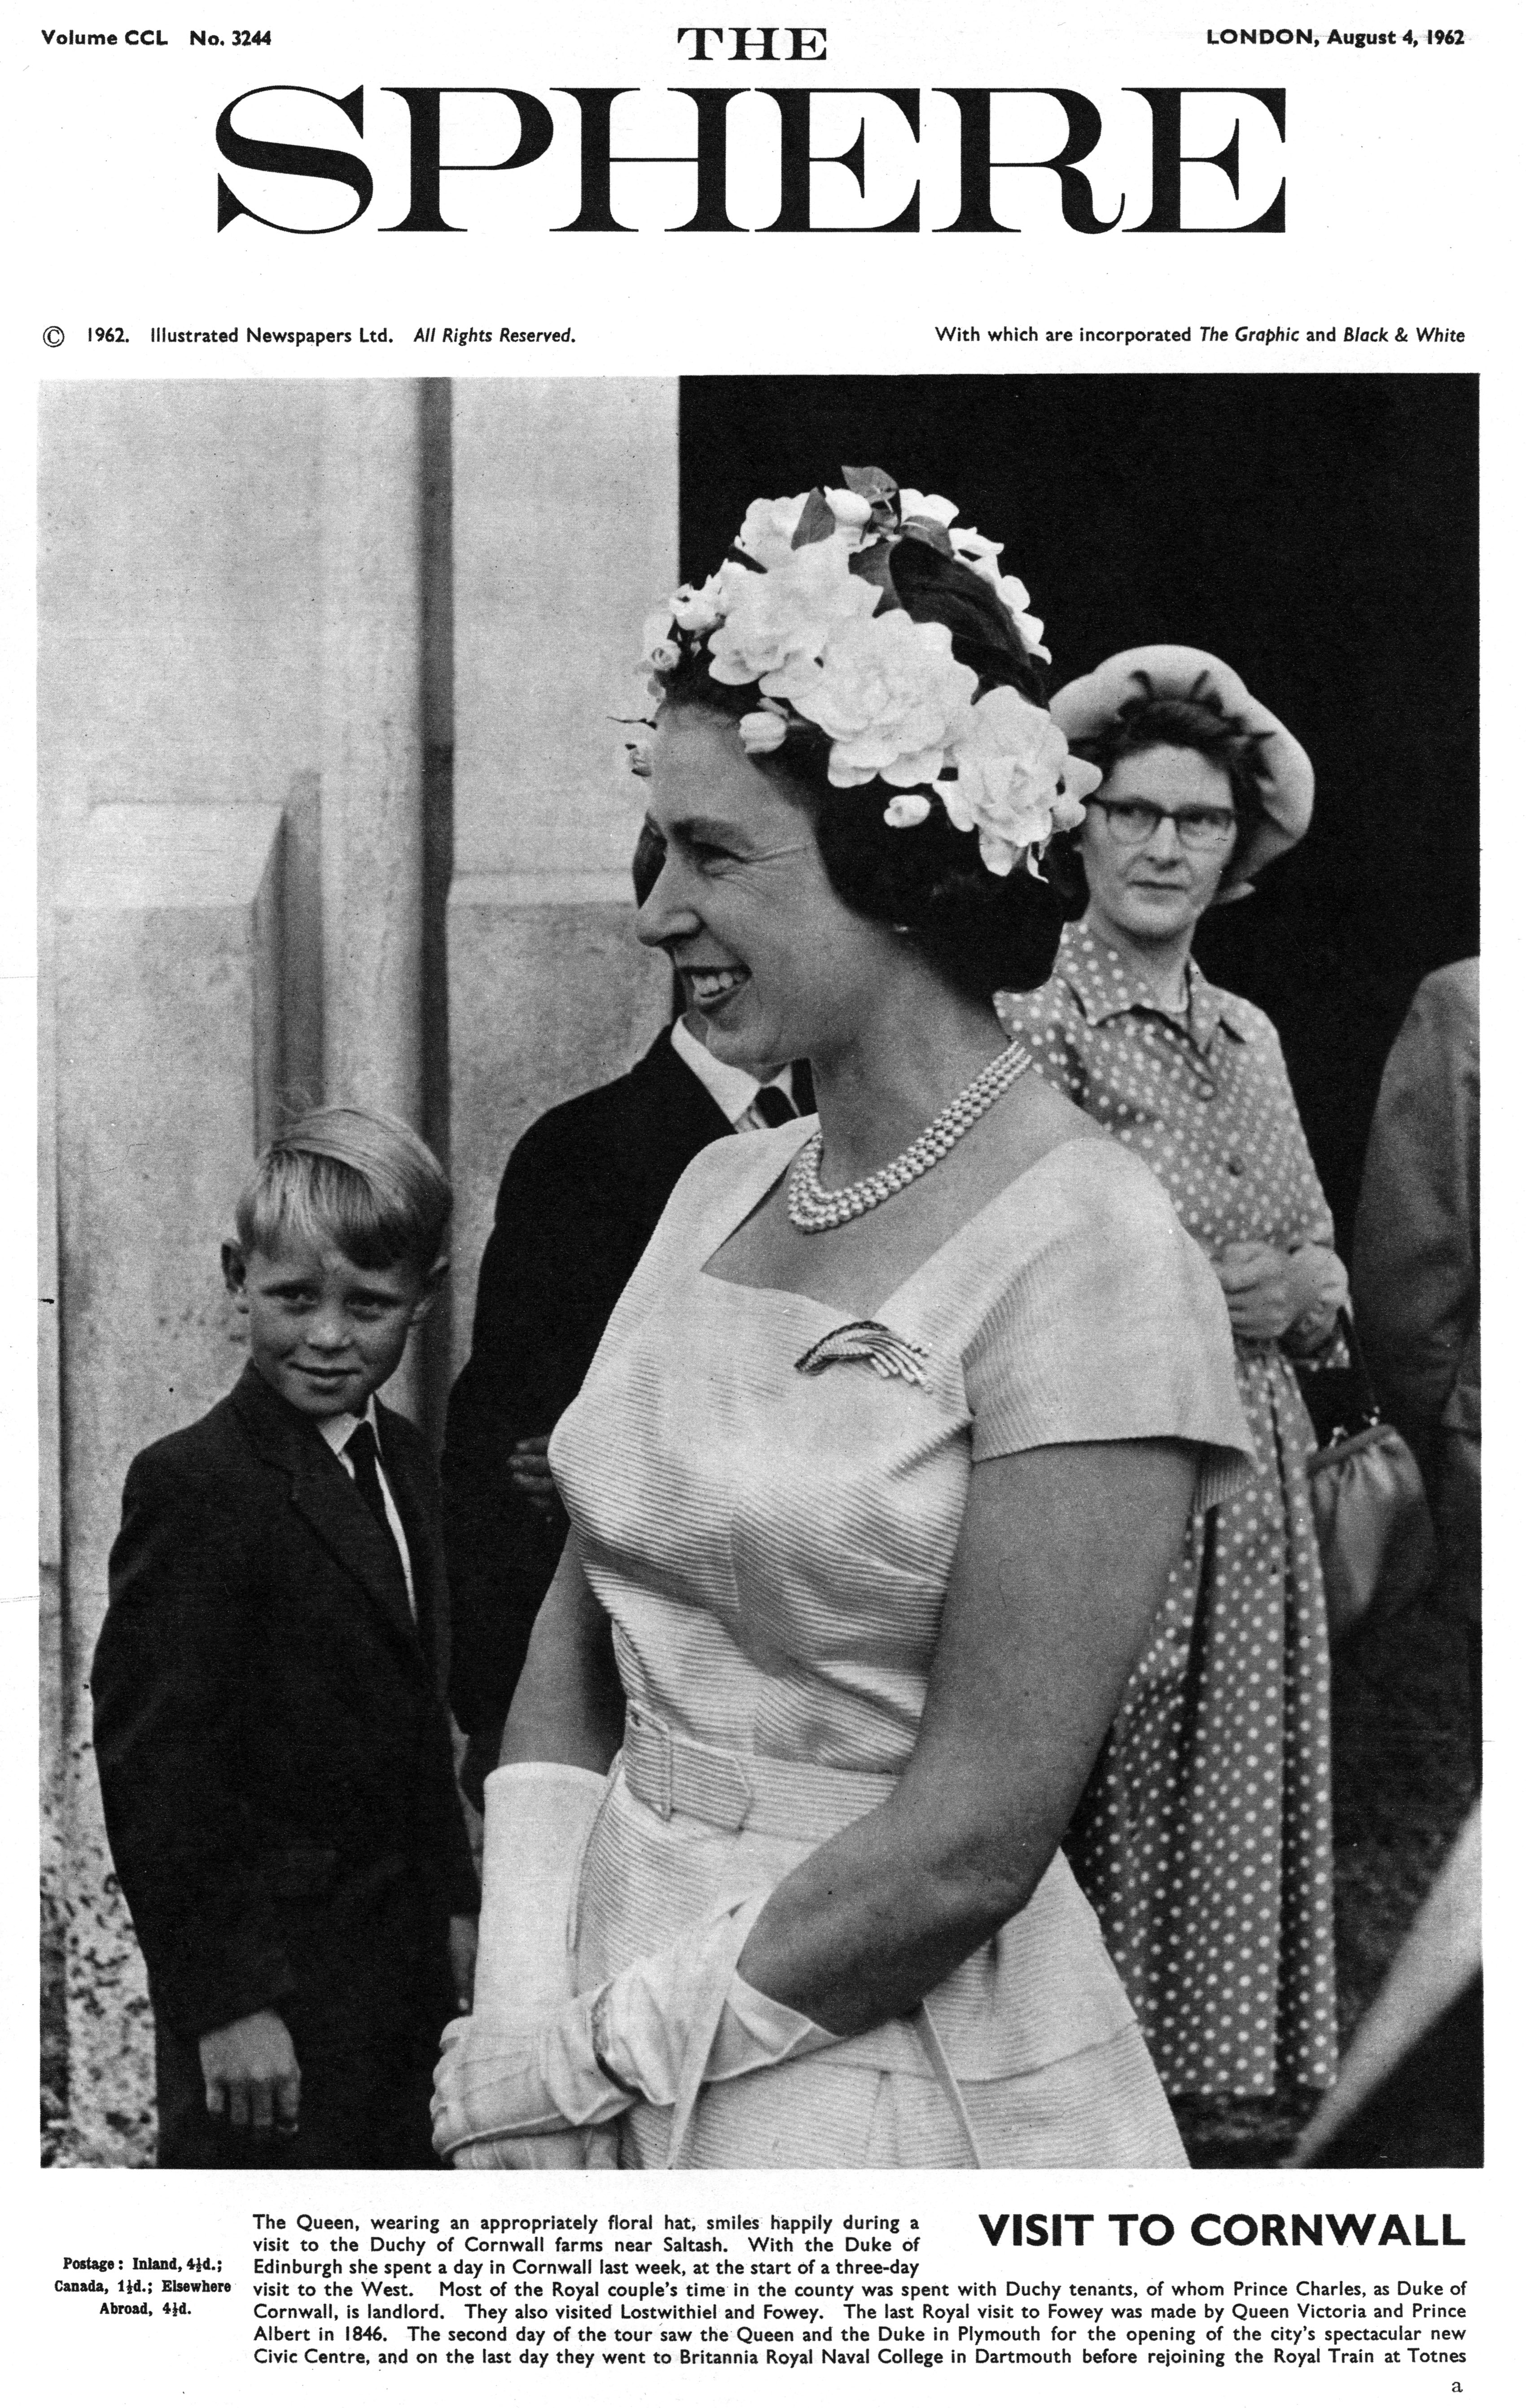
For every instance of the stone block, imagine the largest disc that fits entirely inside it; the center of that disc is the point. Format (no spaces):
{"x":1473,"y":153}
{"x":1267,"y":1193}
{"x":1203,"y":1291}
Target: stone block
{"x":168,"y":1050}
{"x":565,"y":533}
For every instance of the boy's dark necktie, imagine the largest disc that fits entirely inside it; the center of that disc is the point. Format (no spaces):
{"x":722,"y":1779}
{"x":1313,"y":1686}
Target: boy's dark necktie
{"x":361,"y":1447}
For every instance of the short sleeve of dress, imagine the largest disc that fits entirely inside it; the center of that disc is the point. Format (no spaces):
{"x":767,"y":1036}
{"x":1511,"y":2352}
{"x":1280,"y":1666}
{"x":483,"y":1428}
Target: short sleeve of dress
{"x":1110,"y":1325}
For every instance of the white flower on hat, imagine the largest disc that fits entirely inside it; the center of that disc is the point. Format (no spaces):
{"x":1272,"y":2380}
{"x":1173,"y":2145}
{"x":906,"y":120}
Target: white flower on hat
{"x":1081,"y":778}
{"x":888,"y":691}
{"x":762,"y":731}
{"x":851,"y":510}
{"x":697,"y":607}
{"x":767,"y":531}
{"x":976,"y":550}
{"x":907,"y":810}
{"x":936,"y":506}
{"x":786,"y":613}
{"x":786,"y":616}
{"x":1011,"y":759}
{"x":658,"y":650}
{"x":1014,"y":594}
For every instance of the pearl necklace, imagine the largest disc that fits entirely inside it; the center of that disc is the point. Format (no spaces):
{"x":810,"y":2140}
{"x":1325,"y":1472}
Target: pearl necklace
{"x":814,"y":1208}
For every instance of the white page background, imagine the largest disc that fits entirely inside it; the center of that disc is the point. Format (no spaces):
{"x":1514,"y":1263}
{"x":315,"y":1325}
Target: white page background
{"x":1401,"y":209}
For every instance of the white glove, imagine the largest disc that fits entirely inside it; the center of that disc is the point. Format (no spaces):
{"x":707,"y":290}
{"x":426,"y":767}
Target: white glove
{"x":536,"y":1823}
{"x":667,"y":2023}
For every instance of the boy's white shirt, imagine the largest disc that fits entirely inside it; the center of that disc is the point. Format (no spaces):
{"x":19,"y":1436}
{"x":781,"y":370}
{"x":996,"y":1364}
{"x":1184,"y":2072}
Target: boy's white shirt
{"x":335,"y":1432}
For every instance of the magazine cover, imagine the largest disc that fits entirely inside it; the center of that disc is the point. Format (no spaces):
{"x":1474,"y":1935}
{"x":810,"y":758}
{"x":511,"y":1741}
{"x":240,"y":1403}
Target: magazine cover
{"x":752,"y":987}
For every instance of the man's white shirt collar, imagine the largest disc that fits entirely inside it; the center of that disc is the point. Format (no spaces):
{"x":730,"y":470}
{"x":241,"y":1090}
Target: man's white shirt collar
{"x":735,"y":1091}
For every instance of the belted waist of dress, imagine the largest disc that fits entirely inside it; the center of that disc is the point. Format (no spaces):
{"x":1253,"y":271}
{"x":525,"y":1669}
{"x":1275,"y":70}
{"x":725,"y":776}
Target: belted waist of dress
{"x":736,"y":1792}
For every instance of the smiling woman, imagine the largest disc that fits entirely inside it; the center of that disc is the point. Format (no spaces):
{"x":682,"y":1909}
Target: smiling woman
{"x":878,"y":1474}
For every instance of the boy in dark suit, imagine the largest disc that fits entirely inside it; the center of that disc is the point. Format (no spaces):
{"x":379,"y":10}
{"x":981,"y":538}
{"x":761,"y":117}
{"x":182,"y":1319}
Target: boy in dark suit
{"x":273,"y":1751}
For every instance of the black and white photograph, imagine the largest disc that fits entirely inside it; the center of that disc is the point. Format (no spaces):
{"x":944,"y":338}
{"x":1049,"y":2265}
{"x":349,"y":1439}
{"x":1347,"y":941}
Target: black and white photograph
{"x":855,"y":1001}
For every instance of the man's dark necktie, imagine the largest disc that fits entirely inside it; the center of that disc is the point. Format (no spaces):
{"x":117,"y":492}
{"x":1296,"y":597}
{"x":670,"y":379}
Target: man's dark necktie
{"x":361,"y":1447}
{"x":773,"y":1106}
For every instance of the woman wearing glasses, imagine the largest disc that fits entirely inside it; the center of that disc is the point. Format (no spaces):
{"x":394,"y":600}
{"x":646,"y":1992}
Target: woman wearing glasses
{"x":1205,"y":1839}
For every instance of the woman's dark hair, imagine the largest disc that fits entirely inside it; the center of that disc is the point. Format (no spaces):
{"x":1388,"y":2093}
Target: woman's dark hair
{"x":1189,"y":724}
{"x":647,"y":862}
{"x":977,"y":931}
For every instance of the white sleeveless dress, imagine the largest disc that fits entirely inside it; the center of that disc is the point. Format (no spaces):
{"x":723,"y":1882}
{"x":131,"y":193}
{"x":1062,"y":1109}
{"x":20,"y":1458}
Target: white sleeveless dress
{"x":768,"y":1515}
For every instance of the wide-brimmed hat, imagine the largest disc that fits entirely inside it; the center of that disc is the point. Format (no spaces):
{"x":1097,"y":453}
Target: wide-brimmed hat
{"x":1089,"y":707}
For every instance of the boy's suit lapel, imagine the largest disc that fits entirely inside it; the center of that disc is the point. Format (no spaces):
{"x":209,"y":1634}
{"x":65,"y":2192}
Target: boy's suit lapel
{"x":323,"y":1491}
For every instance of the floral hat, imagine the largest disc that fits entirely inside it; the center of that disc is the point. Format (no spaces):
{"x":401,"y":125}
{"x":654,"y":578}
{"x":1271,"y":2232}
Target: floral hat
{"x":1091,"y":708}
{"x":803,"y":609}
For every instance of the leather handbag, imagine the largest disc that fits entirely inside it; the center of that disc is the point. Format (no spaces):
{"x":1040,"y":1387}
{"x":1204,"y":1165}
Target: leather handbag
{"x":1376,"y":1545}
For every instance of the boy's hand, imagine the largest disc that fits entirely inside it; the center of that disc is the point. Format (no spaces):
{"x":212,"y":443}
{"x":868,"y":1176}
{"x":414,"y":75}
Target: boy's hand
{"x":530,"y":1472}
{"x":251,"y":2074}
{"x":463,"y":1947}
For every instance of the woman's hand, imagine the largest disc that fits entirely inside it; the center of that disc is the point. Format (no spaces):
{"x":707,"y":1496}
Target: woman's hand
{"x":1258,"y":1289}
{"x":549,"y":2153}
{"x":537,"y":1816}
{"x":464,"y":2102}
{"x":665,"y":2024}
{"x":1269,"y":1291}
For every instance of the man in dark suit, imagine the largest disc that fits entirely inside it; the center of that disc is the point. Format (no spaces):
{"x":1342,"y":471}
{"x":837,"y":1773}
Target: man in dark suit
{"x":1415,"y":1280}
{"x":271,"y":1737}
{"x":584,"y":1189}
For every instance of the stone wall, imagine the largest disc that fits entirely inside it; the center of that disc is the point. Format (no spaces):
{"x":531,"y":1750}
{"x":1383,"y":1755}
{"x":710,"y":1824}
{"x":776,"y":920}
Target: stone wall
{"x":167,"y":975}
{"x":284,"y":857}
{"x":565,"y":530}
{"x":180,"y":748}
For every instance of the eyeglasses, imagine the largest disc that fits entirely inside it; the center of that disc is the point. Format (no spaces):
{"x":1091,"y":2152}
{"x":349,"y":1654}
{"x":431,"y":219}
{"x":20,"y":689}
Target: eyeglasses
{"x":1200,"y":830}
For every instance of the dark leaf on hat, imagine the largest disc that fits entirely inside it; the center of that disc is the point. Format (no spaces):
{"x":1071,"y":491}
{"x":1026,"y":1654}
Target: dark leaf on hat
{"x":928,"y":531}
{"x":744,"y":560}
{"x":816,"y":520}
{"x":870,"y":485}
{"x":873,"y":563}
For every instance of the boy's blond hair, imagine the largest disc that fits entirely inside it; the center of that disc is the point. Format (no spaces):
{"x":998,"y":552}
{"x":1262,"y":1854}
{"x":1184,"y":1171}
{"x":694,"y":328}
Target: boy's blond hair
{"x":362,"y":1180}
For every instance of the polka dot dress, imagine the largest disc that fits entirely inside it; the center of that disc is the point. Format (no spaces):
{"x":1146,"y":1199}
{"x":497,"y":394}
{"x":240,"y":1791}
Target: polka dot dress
{"x":1205,"y":1839}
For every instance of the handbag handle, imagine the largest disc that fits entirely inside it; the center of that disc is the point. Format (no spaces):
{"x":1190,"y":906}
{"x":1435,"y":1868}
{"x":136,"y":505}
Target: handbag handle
{"x":1369,"y":1412}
